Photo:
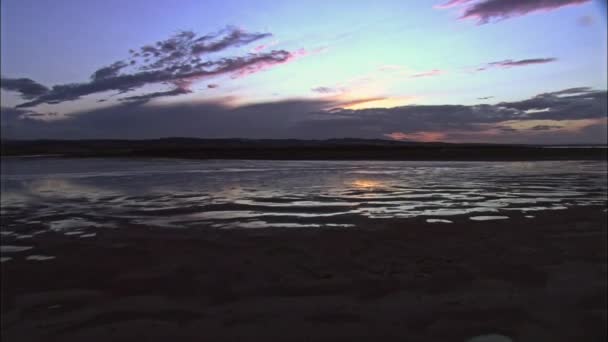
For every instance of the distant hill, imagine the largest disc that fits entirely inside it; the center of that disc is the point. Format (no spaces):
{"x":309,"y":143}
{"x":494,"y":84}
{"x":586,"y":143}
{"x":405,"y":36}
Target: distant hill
{"x":332,"y":149}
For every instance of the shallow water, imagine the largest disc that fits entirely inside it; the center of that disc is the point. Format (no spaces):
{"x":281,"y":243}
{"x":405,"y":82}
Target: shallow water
{"x":78,"y":196}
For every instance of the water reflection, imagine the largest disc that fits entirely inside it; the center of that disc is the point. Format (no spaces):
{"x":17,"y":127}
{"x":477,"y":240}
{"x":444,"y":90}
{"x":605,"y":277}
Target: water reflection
{"x":79,"y":197}
{"x":365,"y":184}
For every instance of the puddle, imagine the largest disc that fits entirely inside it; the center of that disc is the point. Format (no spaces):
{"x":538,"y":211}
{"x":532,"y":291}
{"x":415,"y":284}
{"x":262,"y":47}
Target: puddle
{"x":14,"y":249}
{"x":488,"y":218}
{"x":263,"y":224}
{"x":72,"y":223}
{"x":87,"y":235}
{"x":37,"y":257}
{"x":438,"y":221}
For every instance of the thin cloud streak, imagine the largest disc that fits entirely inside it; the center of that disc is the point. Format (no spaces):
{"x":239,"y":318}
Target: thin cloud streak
{"x":509,"y":63}
{"x":434,"y":72}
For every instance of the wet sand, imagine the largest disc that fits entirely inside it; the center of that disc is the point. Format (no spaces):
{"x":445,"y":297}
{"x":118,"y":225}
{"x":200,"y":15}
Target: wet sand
{"x":532,"y":279}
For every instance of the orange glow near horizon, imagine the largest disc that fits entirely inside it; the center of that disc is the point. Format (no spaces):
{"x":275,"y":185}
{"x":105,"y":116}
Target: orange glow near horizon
{"x":418,"y":136}
{"x":381,"y":102}
{"x":365,"y":184}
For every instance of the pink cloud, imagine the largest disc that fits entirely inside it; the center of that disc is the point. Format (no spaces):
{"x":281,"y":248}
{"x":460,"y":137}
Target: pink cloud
{"x":259,"y":48}
{"x":292,"y":56}
{"x":263,"y":47}
{"x":452,"y":3}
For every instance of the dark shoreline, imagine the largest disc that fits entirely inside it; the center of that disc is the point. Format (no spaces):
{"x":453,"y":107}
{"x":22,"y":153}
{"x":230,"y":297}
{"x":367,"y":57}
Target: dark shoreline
{"x":391,"y":279}
{"x":336,"y":149}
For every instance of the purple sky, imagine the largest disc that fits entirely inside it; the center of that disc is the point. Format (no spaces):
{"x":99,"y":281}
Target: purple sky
{"x":530,"y":71}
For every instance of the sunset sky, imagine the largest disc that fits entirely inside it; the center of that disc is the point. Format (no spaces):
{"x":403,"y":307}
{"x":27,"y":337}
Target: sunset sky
{"x":502,"y":71}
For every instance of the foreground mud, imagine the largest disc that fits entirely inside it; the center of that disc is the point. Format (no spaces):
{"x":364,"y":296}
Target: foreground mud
{"x":540,"y":279}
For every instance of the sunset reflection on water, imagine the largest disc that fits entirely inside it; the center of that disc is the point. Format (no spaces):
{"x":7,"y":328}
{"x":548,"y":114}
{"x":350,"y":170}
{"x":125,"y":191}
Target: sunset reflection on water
{"x":366,"y":184}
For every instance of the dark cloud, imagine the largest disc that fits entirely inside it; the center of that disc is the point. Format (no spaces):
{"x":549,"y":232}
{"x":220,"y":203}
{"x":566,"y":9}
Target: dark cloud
{"x":571,"y":91}
{"x":311,"y":119}
{"x":511,"y":63}
{"x":485,"y":11}
{"x":212,"y":85}
{"x":569,"y":104}
{"x":23,"y":123}
{"x":176,"y":61}
{"x":186,"y":47}
{"x":235,"y":37}
{"x":109,"y":71}
{"x":141,"y":99}
{"x":485,"y":97}
{"x":176,"y":74}
{"x":28,"y":89}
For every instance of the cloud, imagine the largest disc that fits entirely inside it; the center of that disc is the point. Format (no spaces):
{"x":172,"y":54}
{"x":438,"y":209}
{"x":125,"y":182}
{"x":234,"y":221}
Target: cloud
{"x":212,"y":86}
{"x":508,"y":63}
{"x":579,"y":112}
{"x":485,"y":97}
{"x":28,"y":88}
{"x":175,"y":61}
{"x":568,"y":104}
{"x":485,"y":11}
{"x":141,"y":99}
{"x":452,"y":3}
{"x":326,"y":90}
{"x":109,"y":71}
{"x":434,"y":72}
{"x":573,"y":91}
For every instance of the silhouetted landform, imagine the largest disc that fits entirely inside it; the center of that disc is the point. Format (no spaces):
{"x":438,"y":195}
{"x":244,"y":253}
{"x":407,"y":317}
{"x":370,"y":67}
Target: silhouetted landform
{"x":291,"y":149}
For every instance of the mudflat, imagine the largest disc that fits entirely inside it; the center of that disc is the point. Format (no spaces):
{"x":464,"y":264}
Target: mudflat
{"x":529,"y":279}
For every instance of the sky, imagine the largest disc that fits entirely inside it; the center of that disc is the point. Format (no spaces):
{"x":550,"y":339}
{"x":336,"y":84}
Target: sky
{"x":498,"y":71}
